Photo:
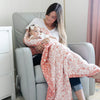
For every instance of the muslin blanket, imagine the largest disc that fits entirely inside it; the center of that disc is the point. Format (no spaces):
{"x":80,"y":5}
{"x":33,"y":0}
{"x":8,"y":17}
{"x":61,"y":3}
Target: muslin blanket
{"x":58,"y":64}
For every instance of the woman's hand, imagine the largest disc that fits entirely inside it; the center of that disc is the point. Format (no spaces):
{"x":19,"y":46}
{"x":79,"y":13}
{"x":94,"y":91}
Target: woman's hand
{"x":39,"y":48}
{"x":45,"y":41}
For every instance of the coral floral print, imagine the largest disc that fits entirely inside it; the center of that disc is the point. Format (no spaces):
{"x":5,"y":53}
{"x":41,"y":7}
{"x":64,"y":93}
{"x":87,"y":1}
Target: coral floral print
{"x":59,"y":64}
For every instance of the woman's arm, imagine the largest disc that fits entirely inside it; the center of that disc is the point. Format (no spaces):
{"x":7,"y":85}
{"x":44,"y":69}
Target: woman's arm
{"x":53,"y":37}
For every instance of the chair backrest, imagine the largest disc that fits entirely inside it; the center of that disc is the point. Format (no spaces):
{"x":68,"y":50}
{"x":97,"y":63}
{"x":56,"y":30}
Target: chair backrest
{"x":20,"y":21}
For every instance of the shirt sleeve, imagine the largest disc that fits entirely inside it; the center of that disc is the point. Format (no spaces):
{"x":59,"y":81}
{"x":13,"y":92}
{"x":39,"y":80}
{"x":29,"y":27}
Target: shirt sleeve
{"x":31,"y":42}
{"x":34,"y":21}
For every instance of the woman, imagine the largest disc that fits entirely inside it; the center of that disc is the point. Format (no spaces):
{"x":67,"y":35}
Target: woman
{"x":53,"y":22}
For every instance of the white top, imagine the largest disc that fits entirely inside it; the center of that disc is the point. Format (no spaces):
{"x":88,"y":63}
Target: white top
{"x":40,"y":23}
{"x":43,"y":36}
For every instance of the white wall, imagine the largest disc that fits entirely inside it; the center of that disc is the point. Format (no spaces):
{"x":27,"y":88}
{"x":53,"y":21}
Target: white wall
{"x":76,"y":20}
{"x":76,"y":14}
{"x":8,"y":7}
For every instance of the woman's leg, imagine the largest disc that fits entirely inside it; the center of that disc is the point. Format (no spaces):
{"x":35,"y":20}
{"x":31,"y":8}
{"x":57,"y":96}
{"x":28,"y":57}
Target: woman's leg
{"x":80,"y":94}
{"x":77,"y":87}
{"x":37,"y":59}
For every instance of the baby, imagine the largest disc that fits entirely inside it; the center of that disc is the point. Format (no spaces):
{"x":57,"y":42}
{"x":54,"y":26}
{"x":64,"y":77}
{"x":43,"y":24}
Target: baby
{"x":37,"y":38}
{"x":35,"y":32}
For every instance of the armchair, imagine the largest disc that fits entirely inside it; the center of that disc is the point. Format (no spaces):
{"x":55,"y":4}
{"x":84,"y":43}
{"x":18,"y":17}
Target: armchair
{"x":32,"y":81}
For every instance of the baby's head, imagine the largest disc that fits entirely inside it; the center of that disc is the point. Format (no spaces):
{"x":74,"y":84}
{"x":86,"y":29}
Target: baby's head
{"x":34,"y":30}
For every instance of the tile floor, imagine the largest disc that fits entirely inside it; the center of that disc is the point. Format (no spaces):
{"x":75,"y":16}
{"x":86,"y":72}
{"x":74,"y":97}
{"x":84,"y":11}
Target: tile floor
{"x":96,"y":96}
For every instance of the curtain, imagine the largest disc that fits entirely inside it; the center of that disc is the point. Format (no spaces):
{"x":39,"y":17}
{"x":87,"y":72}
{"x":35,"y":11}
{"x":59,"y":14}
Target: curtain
{"x":93,"y":29}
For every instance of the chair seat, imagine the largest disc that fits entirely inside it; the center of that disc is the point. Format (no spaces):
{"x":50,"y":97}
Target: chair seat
{"x":39,"y":75}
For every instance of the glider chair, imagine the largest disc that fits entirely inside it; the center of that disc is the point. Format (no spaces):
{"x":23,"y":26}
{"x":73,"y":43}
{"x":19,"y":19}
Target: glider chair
{"x":32,"y":82}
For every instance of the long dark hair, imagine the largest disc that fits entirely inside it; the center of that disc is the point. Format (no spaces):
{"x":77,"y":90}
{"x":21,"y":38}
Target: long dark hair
{"x":58,"y":9}
{"x":59,"y":24}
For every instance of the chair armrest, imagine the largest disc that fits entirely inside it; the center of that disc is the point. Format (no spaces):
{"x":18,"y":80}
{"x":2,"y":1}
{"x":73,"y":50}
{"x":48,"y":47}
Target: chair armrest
{"x":86,"y":51}
{"x":26,"y":72}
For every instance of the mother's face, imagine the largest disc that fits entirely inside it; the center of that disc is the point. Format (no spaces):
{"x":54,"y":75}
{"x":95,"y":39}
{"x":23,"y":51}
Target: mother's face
{"x":51,"y":18}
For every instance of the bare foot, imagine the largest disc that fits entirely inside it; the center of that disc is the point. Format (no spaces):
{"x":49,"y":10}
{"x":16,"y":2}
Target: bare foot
{"x":97,"y":76}
{"x":97,"y":80}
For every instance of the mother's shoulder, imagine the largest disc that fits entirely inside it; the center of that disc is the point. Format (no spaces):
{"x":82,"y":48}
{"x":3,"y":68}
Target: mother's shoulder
{"x":37,"y":18}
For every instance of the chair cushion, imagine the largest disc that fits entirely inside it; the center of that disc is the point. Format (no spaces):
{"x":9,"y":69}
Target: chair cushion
{"x":39,"y":78}
{"x":20,"y":21}
{"x":41,"y":91}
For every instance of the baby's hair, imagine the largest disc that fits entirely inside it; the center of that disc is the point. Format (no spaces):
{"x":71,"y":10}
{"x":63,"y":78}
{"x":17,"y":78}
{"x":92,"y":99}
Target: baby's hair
{"x":30,"y":27}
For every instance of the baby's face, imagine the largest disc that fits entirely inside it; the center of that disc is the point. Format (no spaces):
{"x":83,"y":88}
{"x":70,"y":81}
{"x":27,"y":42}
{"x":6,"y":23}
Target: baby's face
{"x":35,"y":31}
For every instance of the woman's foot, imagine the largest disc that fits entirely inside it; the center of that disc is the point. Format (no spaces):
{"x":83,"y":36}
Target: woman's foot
{"x":97,"y":76}
{"x":97,"y":80}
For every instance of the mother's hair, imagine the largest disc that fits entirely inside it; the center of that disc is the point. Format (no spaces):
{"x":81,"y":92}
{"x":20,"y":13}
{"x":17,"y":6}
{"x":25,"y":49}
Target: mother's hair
{"x":59,"y":23}
{"x":58,"y":9}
